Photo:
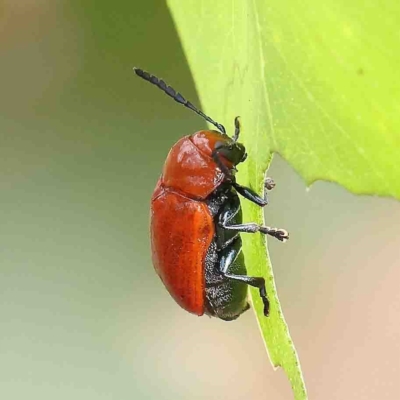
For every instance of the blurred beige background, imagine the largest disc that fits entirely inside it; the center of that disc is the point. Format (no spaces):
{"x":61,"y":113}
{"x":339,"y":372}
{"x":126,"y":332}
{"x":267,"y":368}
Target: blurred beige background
{"x":83,"y":315}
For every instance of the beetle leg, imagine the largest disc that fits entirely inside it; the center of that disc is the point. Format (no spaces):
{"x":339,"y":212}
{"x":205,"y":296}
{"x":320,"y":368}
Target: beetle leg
{"x":230,"y":212}
{"x":226,"y":217}
{"x":227,"y":258}
{"x":251,"y":227}
{"x":250,"y":194}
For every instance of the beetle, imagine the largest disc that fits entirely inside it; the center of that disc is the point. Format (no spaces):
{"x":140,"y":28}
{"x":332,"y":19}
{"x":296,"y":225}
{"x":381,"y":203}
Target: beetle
{"x":196,"y":220}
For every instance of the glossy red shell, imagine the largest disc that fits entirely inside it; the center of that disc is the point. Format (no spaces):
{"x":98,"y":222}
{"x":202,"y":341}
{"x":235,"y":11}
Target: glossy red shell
{"x":181,"y":233}
{"x":189,"y":171}
{"x":182,"y":227}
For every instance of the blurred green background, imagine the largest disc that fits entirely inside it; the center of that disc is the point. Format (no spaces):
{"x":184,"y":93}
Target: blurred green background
{"x":83,"y":315}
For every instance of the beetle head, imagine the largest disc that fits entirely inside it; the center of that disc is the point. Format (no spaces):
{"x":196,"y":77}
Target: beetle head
{"x":231,"y":151}
{"x":214,"y":143}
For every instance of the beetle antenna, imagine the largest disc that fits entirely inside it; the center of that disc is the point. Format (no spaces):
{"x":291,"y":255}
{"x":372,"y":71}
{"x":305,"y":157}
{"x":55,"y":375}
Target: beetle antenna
{"x":235,"y":137}
{"x":176,"y":96}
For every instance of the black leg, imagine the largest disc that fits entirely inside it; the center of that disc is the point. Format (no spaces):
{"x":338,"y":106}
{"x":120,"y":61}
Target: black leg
{"x":230,"y":220}
{"x":227,"y":257}
{"x":250,"y":194}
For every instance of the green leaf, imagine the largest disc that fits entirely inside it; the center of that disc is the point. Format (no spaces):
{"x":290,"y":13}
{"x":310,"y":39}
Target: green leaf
{"x":316,"y":82}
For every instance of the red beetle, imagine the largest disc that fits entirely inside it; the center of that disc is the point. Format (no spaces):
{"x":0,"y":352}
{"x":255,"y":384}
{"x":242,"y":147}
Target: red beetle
{"x":196,"y":220}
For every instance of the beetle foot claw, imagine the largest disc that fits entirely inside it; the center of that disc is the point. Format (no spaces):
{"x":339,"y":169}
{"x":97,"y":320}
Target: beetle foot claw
{"x":280,"y":234}
{"x":269,"y":183}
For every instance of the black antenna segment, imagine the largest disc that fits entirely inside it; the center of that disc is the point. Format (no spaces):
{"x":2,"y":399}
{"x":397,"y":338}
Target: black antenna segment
{"x":176,"y":96}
